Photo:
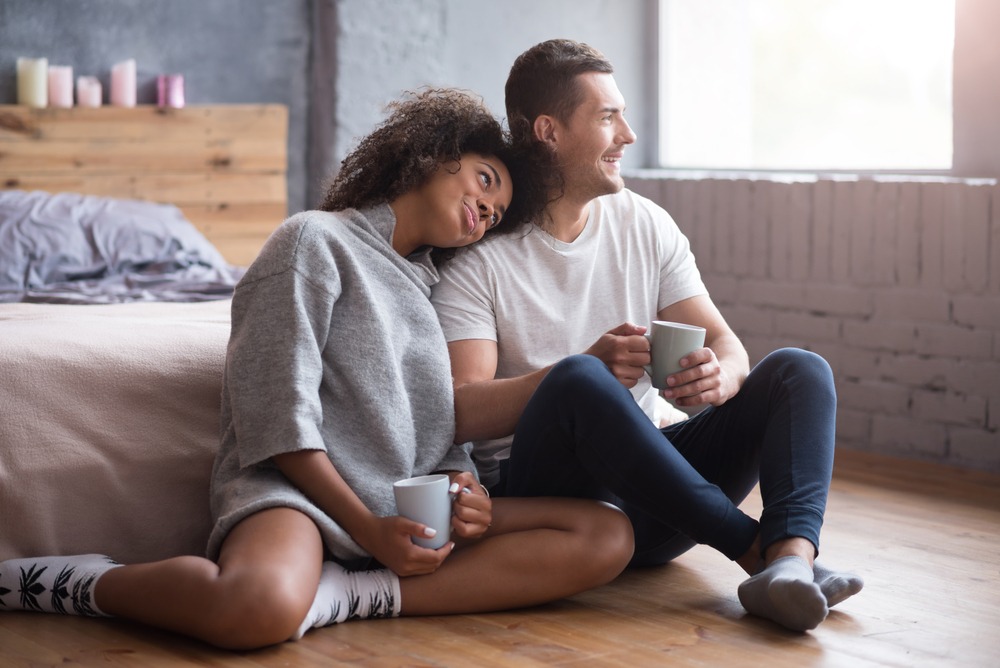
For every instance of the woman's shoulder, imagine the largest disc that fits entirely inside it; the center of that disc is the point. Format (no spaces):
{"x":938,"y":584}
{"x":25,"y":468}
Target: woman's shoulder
{"x":302,"y":239}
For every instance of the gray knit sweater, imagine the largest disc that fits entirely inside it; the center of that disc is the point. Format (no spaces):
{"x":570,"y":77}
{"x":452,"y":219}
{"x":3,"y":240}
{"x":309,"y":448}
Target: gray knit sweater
{"x":334,"y":347}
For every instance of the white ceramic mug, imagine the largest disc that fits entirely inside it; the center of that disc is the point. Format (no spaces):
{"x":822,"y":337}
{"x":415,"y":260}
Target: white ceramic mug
{"x":425,"y":499}
{"x":668,"y":343}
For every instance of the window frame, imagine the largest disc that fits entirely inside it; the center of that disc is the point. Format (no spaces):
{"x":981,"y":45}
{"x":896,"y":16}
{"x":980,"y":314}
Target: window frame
{"x":975,"y":128}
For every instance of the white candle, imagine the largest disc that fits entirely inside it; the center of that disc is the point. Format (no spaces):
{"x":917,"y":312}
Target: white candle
{"x":123,"y":84}
{"x":60,"y":86}
{"x":88,"y":92}
{"x":33,"y":81}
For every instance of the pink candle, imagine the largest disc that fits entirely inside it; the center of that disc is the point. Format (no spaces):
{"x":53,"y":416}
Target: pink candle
{"x":123,"y":84}
{"x":170,"y":90}
{"x":60,"y":86}
{"x":88,"y":92}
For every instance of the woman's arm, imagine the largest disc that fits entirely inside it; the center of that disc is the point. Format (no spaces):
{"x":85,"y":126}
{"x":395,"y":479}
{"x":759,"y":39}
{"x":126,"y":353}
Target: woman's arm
{"x":388,"y":539}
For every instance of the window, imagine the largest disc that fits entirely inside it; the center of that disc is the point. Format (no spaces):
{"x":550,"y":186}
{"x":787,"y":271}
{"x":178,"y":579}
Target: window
{"x":806,"y":84}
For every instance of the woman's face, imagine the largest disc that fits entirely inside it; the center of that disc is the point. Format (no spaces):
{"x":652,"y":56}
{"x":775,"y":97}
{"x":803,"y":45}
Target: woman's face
{"x":461,"y":201}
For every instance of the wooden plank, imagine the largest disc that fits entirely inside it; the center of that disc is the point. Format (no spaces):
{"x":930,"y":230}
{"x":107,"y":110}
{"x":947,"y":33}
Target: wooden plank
{"x":141,"y":124}
{"x":232,"y":154}
{"x":173,"y":188}
{"x":240,"y":229}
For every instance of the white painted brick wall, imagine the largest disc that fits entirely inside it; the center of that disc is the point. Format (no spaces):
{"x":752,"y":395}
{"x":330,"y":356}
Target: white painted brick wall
{"x":895,"y":281}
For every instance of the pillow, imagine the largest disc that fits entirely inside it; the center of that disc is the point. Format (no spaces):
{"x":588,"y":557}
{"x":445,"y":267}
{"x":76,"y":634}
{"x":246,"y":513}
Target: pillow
{"x":70,"y":240}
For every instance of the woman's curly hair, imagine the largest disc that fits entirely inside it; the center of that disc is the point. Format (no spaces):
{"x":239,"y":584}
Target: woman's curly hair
{"x":424,"y":130}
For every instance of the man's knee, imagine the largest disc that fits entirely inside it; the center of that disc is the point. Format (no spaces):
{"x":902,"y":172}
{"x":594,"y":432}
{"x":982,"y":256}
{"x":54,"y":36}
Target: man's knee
{"x":802,"y":372}
{"x":579,"y":376}
{"x":799,"y":362}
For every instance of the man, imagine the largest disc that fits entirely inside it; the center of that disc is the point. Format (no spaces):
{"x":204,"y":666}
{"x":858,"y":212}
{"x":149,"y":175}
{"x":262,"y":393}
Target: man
{"x":586,"y":278}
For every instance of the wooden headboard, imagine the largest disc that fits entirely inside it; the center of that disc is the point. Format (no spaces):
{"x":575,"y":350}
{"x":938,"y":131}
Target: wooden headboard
{"x":224,"y":166}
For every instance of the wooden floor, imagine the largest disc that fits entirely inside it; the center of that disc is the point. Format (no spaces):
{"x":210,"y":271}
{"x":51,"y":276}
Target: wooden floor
{"x":926,"y":539}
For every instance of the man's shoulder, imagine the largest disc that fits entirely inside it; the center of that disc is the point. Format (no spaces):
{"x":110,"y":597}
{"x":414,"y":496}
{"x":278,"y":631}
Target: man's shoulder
{"x":630,"y":210}
{"x":629,"y":200}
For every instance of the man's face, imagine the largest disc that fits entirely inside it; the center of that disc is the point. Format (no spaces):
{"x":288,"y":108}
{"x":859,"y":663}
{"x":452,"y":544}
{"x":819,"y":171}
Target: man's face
{"x":590,"y":145}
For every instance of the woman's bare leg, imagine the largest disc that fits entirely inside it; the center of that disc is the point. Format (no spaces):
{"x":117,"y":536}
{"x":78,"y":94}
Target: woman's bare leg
{"x":537,"y":550}
{"x":256,"y":595}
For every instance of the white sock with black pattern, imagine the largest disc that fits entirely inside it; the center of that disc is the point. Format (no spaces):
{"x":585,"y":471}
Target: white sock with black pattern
{"x":53,"y":584}
{"x":345,"y":595}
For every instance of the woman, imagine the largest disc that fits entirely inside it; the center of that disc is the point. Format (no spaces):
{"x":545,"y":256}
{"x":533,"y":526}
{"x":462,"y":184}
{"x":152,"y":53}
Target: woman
{"x":337,"y":383}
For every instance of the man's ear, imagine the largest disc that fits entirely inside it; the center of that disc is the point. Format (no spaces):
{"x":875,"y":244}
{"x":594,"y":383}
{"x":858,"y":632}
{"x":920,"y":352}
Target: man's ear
{"x":546,"y":130}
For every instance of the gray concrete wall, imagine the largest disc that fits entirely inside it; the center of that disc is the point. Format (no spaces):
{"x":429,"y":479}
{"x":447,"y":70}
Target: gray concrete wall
{"x":335,"y":63}
{"x":484,"y":39}
{"x":385,"y":47}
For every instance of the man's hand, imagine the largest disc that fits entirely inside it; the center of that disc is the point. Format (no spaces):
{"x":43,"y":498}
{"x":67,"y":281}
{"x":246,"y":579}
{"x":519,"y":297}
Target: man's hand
{"x":703,"y":381}
{"x":625,"y":351}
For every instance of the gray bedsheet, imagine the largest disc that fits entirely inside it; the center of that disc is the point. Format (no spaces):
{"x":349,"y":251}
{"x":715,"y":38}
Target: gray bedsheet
{"x":71,"y":248}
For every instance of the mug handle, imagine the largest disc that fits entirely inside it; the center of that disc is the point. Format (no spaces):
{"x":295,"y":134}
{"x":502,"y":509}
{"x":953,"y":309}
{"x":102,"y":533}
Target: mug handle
{"x":648,"y":368}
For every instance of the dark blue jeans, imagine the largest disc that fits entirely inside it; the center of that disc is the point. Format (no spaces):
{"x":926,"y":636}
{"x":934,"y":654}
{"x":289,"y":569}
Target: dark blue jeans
{"x":583,"y":435}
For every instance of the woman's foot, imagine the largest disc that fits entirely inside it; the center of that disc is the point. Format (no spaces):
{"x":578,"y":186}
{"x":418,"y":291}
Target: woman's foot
{"x":53,"y":584}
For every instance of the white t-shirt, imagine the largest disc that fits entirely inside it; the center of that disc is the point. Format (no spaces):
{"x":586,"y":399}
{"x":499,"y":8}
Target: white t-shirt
{"x":542,"y":299}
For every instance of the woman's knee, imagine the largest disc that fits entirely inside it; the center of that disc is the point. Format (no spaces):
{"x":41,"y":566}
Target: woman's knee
{"x":610,"y":543}
{"x":259,"y":609}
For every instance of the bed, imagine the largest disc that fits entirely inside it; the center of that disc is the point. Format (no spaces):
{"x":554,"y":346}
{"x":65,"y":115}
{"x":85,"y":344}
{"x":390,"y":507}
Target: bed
{"x":122,"y":234}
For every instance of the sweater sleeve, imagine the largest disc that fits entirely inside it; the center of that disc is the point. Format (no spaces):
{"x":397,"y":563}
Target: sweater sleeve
{"x":458,"y":458}
{"x":274,"y":361}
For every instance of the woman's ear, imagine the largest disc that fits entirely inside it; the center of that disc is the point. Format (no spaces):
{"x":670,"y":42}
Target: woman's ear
{"x":545,"y":130}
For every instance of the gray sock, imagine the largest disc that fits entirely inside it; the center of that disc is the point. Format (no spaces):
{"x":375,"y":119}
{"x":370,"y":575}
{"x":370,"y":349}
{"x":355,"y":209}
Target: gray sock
{"x":343,"y":595}
{"x":784,"y":592}
{"x":53,"y":584}
{"x":837,"y":586}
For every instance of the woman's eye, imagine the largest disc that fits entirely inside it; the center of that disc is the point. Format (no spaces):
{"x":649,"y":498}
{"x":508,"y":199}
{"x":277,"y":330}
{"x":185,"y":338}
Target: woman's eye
{"x":487,"y":179}
{"x":494,"y":221}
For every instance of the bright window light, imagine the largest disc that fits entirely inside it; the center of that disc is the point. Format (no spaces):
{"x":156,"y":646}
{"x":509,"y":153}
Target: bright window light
{"x":806,"y":84}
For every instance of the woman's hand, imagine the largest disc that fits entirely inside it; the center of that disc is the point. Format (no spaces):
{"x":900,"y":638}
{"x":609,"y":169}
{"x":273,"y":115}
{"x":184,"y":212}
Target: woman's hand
{"x":472,"y":511}
{"x":389,"y":540}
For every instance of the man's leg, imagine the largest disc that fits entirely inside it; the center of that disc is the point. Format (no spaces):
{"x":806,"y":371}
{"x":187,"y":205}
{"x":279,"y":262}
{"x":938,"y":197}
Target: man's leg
{"x":582,"y":434}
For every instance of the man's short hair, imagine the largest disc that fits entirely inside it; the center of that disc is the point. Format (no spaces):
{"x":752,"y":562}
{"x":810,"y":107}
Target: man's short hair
{"x":543,"y":81}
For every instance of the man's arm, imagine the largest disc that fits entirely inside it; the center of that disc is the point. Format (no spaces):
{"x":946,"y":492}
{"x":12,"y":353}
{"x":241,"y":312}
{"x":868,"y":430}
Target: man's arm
{"x":488,"y":407}
{"x":715,"y":373}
